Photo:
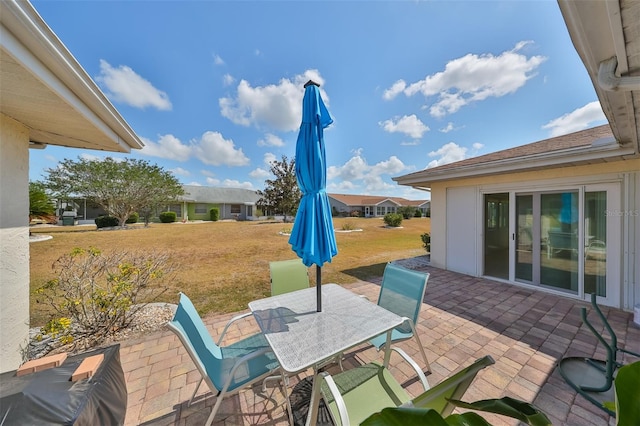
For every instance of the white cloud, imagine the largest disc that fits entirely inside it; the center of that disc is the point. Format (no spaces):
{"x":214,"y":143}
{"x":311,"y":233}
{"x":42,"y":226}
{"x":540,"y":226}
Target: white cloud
{"x":218,"y":60}
{"x":194,"y":184}
{"x":576,"y":120}
{"x":448,"y":128}
{"x":356,"y":172}
{"x":477,"y":146}
{"x":212,"y":181}
{"x":232,"y":183}
{"x":410,"y":125}
{"x":410,"y":143}
{"x":179,"y":171}
{"x":228,"y":79}
{"x":397,"y":88}
{"x":269,"y":158}
{"x":207,"y":173}
{"x":122,"y":84}
{"x":168,"y":146}
{"x":448,"y":153}
{"x":215,"y":150}
{"x":91,"y":157}
{"x":473,"y":78}
{"x":270,"y":140}
{"x":260,"y":173}
{"x":277,"y":106}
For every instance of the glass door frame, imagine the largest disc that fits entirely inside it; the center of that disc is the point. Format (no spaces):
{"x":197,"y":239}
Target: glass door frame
{"x":614,"y":236}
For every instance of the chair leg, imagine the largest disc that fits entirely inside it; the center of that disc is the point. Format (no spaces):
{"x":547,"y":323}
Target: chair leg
{"x":285,"y":386}
{"x":194,"y":392}
{"x":424,"y":355}
{"x":214,"y":410}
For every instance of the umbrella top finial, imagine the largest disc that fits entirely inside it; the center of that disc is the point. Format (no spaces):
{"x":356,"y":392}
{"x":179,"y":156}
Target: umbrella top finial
{"x":311,"y":82}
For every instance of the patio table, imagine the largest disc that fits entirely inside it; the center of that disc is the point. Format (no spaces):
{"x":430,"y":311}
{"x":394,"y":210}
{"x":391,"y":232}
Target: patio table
{"x":303,"y":338}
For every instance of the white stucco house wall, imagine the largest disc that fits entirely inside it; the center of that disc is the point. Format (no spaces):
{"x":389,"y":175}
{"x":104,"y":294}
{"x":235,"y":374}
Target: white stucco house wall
{"x":560,"y":215}
{"x":46,"y":98}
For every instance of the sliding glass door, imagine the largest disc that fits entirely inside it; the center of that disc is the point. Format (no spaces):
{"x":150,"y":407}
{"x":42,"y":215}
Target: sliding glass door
{"x":496,"y":232}
{"x":564,"y":240}
{"x":559,"y":234}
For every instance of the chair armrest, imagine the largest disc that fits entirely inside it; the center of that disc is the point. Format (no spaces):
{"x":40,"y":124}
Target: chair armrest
{"x":337,"y":396}
{"x":231,"y":321}
{"x":415,"y":366}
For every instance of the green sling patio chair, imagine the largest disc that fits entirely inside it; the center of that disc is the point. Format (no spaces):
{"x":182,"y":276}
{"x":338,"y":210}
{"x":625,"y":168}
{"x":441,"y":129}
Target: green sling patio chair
{"x":355,"y":394}
{"x":402,"y":292}
{"x":287,"y":276}
{"x":225,"y":369}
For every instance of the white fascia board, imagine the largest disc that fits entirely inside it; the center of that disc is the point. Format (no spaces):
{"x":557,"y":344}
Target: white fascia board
{"x":520,"y":164}
{"x":30,"y":41}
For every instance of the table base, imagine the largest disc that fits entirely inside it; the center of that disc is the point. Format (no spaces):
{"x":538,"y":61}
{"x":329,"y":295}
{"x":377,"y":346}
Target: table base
{"x":300,"y":397}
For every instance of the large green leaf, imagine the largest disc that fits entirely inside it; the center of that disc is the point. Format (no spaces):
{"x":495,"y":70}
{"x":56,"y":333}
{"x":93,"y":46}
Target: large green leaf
{"x":510,"y":407}
{"x":400,"y":416}
{"x":627,"y":386}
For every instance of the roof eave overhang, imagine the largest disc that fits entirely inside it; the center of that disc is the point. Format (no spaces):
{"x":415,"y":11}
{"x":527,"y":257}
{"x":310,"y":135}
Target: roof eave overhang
{"x":597,"y":32}
{"x":29,"y":41}
{"x":562,"y":158}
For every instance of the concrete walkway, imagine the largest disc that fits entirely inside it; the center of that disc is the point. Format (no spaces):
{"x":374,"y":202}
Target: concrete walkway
{"x":463,"y":318}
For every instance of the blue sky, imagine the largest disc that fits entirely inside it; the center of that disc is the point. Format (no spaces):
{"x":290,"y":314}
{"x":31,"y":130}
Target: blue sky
{"x":214,"y":88}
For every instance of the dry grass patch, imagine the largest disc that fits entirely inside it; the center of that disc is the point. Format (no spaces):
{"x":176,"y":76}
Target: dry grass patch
{"x":222,"y":266}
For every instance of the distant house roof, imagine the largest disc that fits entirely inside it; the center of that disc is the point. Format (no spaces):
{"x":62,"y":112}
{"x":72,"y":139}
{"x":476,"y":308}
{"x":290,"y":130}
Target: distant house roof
{"x":373,"y":200}
{"x":208,"y":194}
{"x":588,"y":146}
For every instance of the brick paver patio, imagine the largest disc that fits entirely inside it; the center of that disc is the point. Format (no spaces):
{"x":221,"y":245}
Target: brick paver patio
{"x":462,"y":319}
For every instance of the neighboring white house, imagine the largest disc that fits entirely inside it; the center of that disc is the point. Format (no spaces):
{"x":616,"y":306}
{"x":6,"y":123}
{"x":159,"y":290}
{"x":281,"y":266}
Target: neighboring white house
{"x":373,"y":205}
{"x":46,"y":98}
{"x":561,"y":215}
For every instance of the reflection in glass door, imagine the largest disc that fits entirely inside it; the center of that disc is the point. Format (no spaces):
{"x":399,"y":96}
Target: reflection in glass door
{"x":496,"y":235}
{"x":595,"y":234}
{"x":524,"y":238}
{"x":559,"y":230}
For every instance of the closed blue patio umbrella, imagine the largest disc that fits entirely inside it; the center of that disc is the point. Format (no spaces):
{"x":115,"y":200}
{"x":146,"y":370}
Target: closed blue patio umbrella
{"x":313,"y":238}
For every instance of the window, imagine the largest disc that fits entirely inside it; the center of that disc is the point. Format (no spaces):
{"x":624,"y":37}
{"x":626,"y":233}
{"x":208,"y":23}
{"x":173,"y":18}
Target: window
{"x":177,"y":208}
{"x":200,"y":208}
{"x":380,"y":211}
{"x":235,"y":208}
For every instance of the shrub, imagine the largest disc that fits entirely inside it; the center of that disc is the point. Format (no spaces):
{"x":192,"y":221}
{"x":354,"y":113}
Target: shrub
{"x":214,"y":214}
{"x":393,"y":219}
{"x":426,"y":241}
{"x":96,"y":294}
{"x":407,"y":212}
{"x":348,"y":226}
{"x":133,"y":218}
{"x":106,"y":221}
{"x":355,"y":213}
{"x":167,"y":217}
{"x":418,"y":213}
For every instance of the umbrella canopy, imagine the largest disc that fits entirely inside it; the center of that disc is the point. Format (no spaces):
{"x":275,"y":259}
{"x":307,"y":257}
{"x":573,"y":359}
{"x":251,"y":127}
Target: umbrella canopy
{"x":313,"y":238}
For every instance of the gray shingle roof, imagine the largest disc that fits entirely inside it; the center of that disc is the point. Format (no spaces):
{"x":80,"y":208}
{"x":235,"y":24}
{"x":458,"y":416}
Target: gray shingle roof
{"x":208,"y":194}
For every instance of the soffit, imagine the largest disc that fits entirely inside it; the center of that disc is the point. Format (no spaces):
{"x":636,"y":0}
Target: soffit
{"x":43,"y":87}
{"x":599,"y":31}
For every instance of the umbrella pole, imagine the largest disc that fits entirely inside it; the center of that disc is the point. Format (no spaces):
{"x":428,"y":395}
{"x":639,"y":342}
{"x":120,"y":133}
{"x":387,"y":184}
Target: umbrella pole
{"x":318,"y":288}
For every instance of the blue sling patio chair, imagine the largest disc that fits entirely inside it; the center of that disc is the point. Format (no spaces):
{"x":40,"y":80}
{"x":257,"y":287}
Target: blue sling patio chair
{"x":402,"y":292}
{"x":225,"y":369}
{"x":355,"y":394}
{"x":287,"y":276}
